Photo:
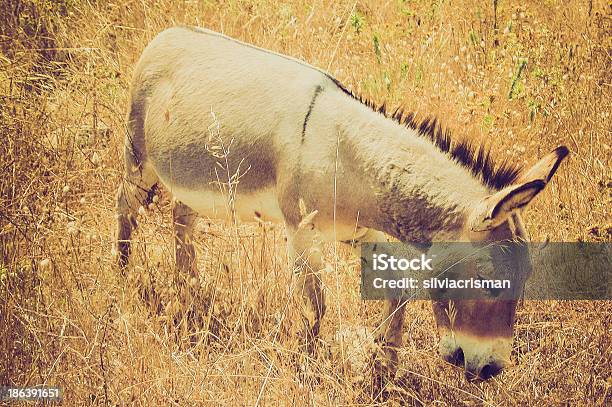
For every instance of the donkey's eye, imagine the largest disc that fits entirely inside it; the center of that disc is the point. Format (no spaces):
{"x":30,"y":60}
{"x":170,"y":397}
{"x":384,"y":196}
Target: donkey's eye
{"x":492,"y":291}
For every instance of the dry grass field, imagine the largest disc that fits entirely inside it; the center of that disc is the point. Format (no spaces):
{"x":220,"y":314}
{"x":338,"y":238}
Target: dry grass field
{"x":523,"y":77}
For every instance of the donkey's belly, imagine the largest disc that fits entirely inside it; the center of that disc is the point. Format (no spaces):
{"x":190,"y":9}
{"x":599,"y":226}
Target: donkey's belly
{"x":245,"y":206}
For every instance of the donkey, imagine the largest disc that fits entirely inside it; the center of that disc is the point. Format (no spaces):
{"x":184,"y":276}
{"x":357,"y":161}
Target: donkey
{"x":306,"y":152}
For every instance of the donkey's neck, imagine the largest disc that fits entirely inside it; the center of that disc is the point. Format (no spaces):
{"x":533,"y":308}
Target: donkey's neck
{"x":419,"y":194}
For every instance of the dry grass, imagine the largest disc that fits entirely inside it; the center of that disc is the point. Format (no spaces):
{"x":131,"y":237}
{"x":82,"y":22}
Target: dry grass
{"x":68,"y":318}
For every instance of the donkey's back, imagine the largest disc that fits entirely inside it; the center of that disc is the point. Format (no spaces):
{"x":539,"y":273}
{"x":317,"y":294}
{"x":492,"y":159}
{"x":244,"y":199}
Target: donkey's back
{"x":196,"y":91}
{"x":207,"y":110}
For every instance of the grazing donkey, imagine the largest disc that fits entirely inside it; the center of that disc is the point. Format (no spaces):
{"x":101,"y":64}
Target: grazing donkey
{"x":297,"y":139}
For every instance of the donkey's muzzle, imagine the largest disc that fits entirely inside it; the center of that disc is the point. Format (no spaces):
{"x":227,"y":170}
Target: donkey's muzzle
{"x":456,"y":358}
{"x":480,"y":357}
{"x":474,"y":371}
{"x":485,"y":372}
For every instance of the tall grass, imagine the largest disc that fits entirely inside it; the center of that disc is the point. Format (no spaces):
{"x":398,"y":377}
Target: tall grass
{"x":537,"y":78}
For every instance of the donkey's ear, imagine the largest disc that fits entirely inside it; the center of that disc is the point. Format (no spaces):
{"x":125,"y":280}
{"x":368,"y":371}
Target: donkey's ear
{"x":546,"y":167}
{"x":496,"y":208}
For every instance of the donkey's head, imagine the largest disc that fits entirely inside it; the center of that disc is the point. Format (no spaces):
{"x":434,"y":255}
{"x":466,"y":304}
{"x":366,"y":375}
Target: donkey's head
{"x":477,"y":333}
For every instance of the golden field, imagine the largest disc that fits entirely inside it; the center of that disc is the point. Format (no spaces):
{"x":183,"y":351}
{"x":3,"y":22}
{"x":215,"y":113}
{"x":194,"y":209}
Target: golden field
{"x":524,"y":78}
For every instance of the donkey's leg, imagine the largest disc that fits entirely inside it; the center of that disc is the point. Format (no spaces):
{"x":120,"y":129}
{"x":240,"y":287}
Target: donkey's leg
{"x":184,"y":219}
{"x":135,"y":190}
{"x":305,"y":251}
{"x":390,"y":331}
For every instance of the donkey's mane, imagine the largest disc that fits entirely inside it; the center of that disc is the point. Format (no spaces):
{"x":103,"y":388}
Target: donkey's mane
{"x":477,"y":159}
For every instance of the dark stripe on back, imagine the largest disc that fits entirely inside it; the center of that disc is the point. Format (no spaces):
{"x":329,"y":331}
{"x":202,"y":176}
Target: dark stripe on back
{"x":317,"y":91}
